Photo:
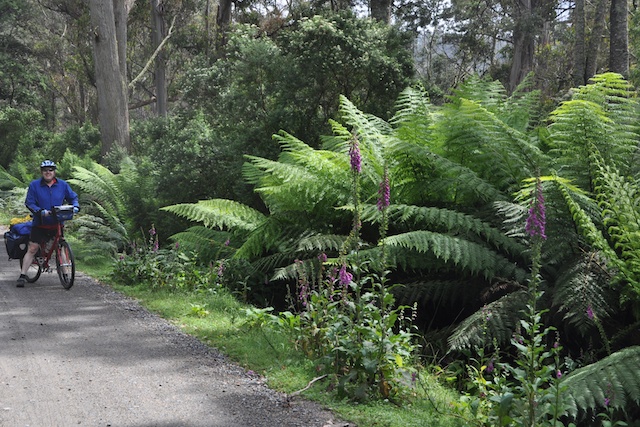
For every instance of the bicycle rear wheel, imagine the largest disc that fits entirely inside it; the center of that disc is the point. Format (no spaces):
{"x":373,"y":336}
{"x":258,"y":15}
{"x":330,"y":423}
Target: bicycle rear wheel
{"x":65,"y":264}
{"x":34,"y":270}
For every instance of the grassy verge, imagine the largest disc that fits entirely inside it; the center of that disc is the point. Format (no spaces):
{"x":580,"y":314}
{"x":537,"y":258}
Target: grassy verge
{"x":220,"y":321}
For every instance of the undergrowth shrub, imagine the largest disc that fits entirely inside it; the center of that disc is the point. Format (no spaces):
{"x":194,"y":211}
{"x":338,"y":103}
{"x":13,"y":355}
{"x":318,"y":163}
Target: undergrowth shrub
{"x":160,"y":268}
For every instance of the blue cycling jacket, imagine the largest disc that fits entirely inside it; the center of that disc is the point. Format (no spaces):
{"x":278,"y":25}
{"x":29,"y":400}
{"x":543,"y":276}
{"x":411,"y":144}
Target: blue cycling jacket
{"x":40,"y":196}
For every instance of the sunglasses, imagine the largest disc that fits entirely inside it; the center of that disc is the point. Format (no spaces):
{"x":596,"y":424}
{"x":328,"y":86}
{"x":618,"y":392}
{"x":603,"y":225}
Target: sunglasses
{"x":48,"y":169}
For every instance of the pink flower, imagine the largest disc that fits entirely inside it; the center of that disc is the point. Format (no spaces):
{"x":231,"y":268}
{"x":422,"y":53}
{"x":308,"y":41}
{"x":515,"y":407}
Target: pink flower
{"x":590,"y":313}
{"x":384,"y":192}
{"x":354,"y":154}
{"x":536,"y":221}
{"x":344,"y":276}
{"x":490,"y":367}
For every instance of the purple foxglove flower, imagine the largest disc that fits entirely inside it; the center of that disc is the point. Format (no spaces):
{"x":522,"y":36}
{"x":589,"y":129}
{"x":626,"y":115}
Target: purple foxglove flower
{"x":536,"y":221}
{"x":384,"y":193}
{"x":344,"y":276}
{"x":356,"y":159}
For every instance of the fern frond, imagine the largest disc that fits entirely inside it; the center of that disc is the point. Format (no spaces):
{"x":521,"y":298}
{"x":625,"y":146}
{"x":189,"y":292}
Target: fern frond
{"x":476,"y":138}
{"x":453,"y":292}
{"x":495,"y":321}
{"x":578,"y":128}
{"x":615,"y":378}
{"x":423,"y":175}
{"x":518,"y":109}
{"x":465,"y":255}
{"x":209,"y":244}
{"x":412,"y":119}
{"x":321,"y":242}
{"x":491,"y":94}
{"x":101,"y":184}
{"x":219,"y":213}
{"x":619,"y":101}
{"x":444,"y":220}
{"x":308,"y":269}
{"x":583,"y":286}
{"x":619,"y":200}
{"x":299,"y":187}
{"x":105,"y":234}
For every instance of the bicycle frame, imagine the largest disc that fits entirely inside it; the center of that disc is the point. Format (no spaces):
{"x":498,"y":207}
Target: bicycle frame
{"x":45,"y":254}
{"x":65,"y":262}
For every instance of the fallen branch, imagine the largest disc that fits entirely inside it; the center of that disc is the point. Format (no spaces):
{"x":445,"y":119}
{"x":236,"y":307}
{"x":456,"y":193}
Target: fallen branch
{"x":295,"y":393}
{"x":155,"y":54}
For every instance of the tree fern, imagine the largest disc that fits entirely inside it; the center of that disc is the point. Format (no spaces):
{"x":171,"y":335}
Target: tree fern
{"x":102,"y":186}
{"x":107,"y":223}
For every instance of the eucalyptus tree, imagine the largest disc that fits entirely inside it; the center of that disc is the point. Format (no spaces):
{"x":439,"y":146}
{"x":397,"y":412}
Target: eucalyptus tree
{"x":109,"y":21}
{"x":619,"y":37}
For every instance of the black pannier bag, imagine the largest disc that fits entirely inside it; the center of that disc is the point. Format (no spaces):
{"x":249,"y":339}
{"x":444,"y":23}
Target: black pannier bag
{"x":17,"y":240}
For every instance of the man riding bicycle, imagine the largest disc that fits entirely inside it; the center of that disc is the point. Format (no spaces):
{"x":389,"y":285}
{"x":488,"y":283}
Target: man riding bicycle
{"x":43,"y":194}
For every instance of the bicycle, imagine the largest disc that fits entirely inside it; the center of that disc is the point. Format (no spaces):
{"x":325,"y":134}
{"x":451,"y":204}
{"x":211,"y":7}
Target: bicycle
{"x":58,"y":246}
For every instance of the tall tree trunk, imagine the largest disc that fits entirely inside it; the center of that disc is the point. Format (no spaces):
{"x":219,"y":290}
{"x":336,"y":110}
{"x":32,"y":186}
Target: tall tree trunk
{"x":595,"y":40}
{"x":523,"y":43}
{"x":381,"y":10}
{"x":223,"y":19}
{"x":579,"y":51}
{"x":110,"y":84}
{"x":157,"y":35}
{"x":619,"y":37}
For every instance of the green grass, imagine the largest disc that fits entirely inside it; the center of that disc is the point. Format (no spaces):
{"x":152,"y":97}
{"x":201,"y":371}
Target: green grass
{"x":220,"y":321}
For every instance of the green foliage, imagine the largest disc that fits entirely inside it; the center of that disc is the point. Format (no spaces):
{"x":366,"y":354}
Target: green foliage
{"x":148,"y":265}
{"x":21,"y":81}
{"x":16,"y":130}
{"x":188,"y":158}
{"x":611,"y":382}
{"x":365,"y":61}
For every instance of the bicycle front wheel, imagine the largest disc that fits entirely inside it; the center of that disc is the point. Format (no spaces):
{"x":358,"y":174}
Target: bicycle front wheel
{"x":65,"y":264}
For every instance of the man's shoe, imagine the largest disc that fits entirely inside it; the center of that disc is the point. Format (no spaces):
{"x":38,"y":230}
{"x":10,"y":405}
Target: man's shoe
{"x":21,"y":281}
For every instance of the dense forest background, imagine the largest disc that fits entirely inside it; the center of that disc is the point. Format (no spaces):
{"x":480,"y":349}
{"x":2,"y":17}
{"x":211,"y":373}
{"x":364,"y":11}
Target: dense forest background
{"x":276,"y":139}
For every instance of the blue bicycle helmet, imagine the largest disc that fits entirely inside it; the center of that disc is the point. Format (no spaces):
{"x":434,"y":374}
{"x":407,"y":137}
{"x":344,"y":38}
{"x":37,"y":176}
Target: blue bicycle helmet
{"x":48,"y":164}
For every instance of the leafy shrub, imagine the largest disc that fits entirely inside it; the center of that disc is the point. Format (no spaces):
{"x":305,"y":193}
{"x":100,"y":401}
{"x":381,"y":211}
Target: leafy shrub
{"x":148,"y":265}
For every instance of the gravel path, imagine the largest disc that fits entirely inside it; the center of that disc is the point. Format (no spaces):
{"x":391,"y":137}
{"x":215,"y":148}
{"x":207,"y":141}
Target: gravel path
{"x":92,"y":357}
